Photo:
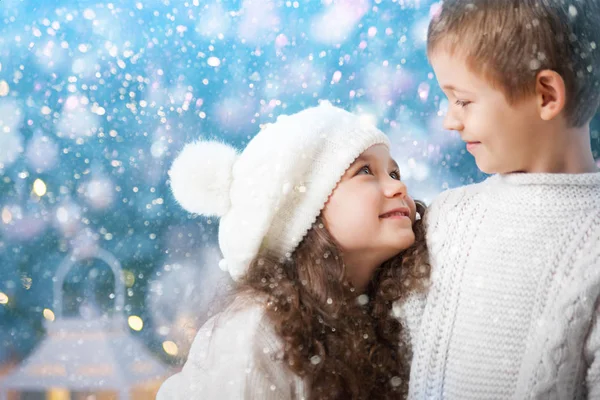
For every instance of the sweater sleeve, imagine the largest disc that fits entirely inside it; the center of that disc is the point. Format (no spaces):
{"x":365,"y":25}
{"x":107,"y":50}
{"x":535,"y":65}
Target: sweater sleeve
{"x":234,"y":356}
{"x":270,"y":379}
{"x":592,"y":356}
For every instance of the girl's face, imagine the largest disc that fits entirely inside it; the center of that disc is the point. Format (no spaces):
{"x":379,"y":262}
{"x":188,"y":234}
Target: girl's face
{"x":370,"y":214}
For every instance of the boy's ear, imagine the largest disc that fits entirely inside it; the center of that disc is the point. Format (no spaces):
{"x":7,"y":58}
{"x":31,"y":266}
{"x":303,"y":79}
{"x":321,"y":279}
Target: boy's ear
{"x":551,"y":94}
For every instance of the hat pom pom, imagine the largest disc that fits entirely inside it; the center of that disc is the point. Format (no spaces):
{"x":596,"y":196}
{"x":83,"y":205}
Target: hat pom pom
{"x":201,"y":177}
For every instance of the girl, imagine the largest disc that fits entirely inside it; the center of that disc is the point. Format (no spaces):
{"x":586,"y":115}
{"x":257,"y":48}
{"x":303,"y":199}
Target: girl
{"x":315,"y":226}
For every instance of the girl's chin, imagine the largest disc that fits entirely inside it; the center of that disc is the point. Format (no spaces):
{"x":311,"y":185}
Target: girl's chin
{"x":400,"y":248}
{"x":406,"y":240}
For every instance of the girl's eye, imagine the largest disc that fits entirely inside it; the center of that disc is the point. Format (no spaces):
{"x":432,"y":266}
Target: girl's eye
{"x":395,"y":175}
{"x":462,"y":103}
{"x":365,"y":170}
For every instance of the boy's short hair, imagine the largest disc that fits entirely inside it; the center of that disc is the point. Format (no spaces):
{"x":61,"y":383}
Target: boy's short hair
{"x":510,"y":41}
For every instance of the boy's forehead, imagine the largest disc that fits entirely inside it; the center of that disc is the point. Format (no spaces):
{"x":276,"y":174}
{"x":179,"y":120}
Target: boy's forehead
{"x":453,"y":88}
{"x":454,"y":73}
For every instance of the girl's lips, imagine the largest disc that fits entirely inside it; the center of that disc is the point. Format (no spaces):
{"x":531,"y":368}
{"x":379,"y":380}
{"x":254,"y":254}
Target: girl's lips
{"x":396,"y":216}
{"x":403,"y":212}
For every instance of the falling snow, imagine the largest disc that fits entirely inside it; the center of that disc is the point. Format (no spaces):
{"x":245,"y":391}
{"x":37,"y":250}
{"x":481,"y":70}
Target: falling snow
{"x":97,"y":98}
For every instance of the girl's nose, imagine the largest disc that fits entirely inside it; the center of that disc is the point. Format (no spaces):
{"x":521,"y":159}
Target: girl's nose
{"x":395,"y":188}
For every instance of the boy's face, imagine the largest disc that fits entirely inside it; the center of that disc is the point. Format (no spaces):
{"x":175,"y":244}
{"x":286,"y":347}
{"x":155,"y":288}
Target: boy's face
{"x":502,"y":137}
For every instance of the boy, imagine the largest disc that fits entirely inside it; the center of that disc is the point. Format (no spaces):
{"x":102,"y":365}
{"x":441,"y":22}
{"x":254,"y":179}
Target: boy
{"x":513,"y":308}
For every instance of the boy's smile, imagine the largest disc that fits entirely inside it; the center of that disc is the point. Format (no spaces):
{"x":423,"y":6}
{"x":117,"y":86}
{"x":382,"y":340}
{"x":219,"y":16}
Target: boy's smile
{"x":471,"y":146}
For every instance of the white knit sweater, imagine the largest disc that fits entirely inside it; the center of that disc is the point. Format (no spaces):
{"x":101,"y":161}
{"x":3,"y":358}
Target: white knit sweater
{"x":513,"y":310}
{"x":236,"y":355}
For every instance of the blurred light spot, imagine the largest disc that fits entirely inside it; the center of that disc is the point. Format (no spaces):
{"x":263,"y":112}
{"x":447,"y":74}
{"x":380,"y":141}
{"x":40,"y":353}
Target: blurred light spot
{"x":71,"y":103}
{"x":419,"y":32}
{"x":39,"y":187}
{"x":4,"y":88}
{"x":213,"y":61}
{"x":99,"y":192}
{"x":337,"y":75}
{"x":62,"y":215}
{"x":170,"y":348}
{"x":423,"y":91}
{"x":89,"y":14}
{"x":26,"y":282}
{"x":163,"y":330}
{"x":443,"y":108}
{"x":41,"y":153}
{"x":396,"y":381}
{"x":158,"y":149}
{"x":129,"y":278}
{"x":338,"y":21}
{"x":135,"y":323}
{"x":98,"y":110}
{"x":3,"y":298}
{"x":6,"y":215}
{"x":281,"y":41}
{"x":214,"y":21}
{"x":48,"y":314}
{"x":572,"y":11}
{"x":59,"y":394}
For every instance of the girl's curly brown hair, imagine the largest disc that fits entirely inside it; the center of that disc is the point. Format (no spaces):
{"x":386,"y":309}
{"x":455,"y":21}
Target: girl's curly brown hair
{"x":344,"y":348}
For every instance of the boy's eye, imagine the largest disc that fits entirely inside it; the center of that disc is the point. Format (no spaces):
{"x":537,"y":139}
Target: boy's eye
{"x":462,"y":103}
{"x":395,"y":175}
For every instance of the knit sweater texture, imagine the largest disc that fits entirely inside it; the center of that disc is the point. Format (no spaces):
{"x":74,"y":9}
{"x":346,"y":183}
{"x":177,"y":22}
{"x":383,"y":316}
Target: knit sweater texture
{"x":513,"y":308}
{"x":236,"y":355}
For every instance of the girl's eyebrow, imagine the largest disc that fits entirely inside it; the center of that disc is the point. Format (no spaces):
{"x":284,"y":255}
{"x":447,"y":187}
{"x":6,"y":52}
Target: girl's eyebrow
{"x":358,"y":160}
{"x":364,"y":158}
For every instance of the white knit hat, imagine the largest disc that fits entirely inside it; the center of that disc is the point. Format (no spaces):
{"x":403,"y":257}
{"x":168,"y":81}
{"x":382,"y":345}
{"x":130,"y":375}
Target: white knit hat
{"x":269,"y":196}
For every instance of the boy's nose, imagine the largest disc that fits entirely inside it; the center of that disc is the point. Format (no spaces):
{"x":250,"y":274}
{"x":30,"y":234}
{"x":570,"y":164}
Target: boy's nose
{"x":451,"y":123}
